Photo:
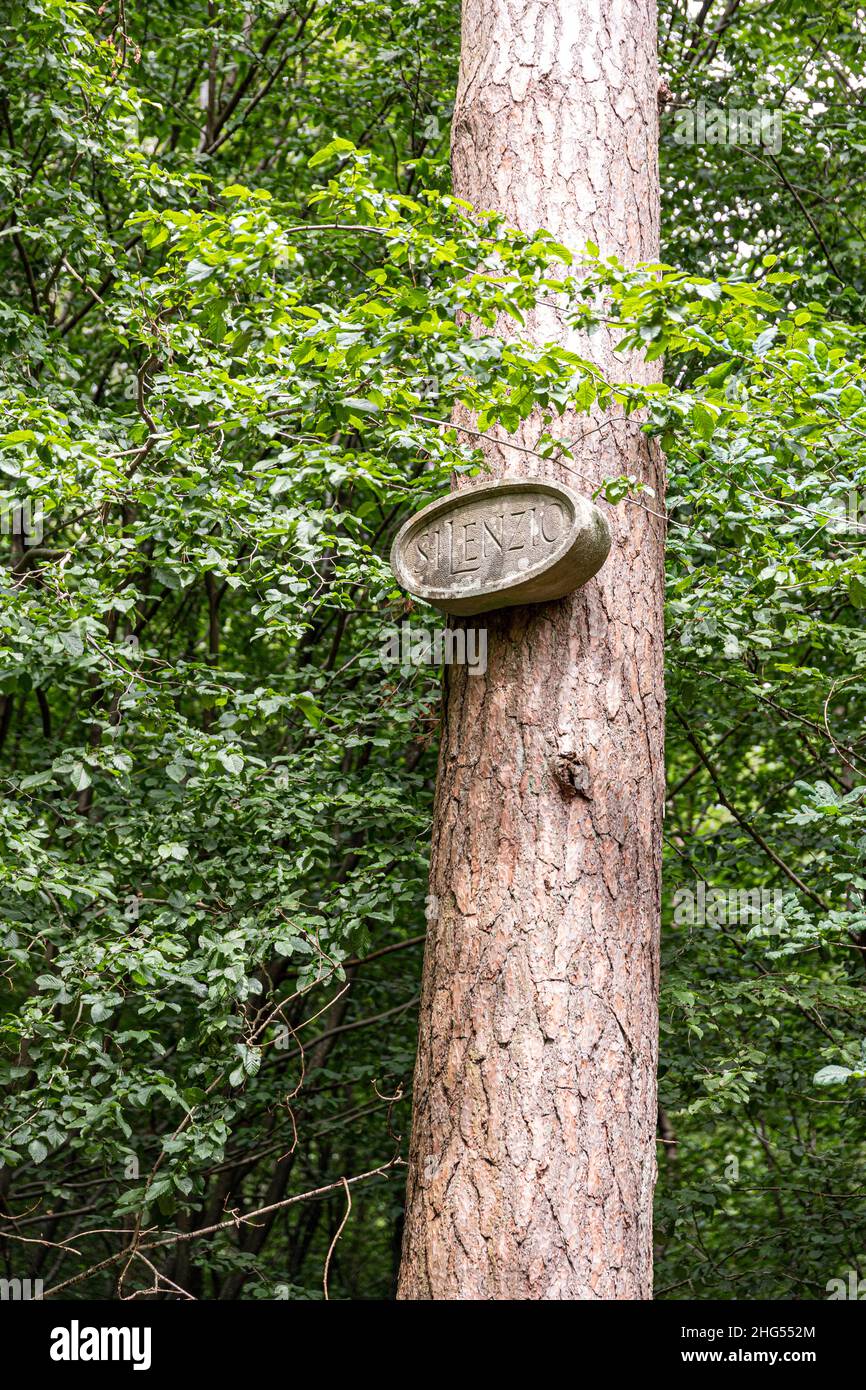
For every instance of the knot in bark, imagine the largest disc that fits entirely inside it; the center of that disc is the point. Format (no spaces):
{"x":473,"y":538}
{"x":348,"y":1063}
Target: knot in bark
{"x":571,"y":775}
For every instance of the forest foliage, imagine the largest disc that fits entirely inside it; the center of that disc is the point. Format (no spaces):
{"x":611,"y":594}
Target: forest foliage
{"x":237,"y":313}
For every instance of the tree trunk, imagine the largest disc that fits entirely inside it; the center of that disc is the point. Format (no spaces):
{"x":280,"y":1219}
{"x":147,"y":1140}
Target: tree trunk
{"x":532,"y":1161}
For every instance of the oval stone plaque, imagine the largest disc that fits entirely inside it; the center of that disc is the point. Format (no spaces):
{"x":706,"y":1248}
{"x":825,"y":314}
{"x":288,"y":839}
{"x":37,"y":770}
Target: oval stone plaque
{"x":498,"y":544}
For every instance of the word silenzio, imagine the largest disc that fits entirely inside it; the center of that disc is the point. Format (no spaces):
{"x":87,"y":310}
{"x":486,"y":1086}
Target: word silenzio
{"x":500,"y":544}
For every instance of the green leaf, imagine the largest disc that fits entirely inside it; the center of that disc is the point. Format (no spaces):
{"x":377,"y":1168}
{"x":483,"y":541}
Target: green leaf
{"x":336,"y":146}
{"x":73,"y":642}
{"x":309,"y":708}
{"x":857,"y":591}
{"x":232,"y":762}
{"x":80,"y":777}
{"x":832,"y":1076}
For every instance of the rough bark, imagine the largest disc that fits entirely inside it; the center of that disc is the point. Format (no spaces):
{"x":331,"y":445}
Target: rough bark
{"x":532,"y":1161}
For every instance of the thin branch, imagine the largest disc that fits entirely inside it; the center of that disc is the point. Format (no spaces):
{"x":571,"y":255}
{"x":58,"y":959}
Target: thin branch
{"x":337,"y":1234}
{"x":741,"y":820}
{"x":182,"y":1237}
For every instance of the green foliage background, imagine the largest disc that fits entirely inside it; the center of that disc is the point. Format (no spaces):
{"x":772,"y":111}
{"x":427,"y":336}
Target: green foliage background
{"x":234,"y":295}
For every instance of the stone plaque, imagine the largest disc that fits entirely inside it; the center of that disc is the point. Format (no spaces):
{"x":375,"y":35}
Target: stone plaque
{"x":497,"y":544}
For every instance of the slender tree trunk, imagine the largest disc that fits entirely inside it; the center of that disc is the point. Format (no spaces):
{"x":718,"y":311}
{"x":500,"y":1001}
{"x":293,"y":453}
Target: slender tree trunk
{"x":532,"y":1162}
